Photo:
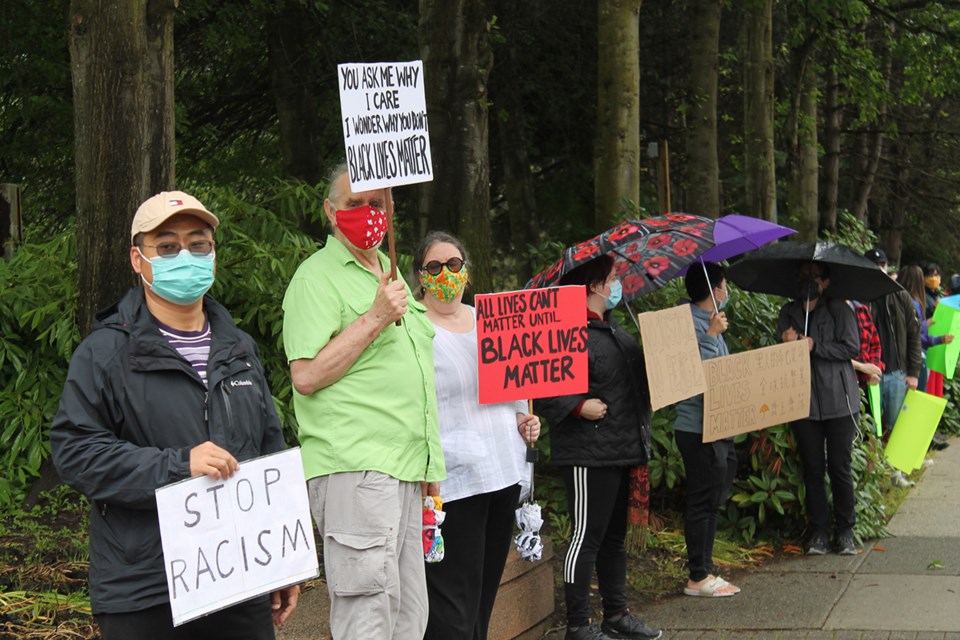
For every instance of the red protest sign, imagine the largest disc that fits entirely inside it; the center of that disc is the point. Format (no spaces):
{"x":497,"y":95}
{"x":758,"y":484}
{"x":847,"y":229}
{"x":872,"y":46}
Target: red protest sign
{"x":532,"y":343}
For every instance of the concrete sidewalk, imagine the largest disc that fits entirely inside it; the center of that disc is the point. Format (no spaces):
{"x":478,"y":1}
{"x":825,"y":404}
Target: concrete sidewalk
{"x":888,"y":591}
{"x":906,"y":587}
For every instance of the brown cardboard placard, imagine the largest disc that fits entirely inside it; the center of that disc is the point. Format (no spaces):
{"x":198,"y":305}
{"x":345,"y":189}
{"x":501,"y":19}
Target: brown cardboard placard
{"x":672,"y":355}
{"x":756,"y":389}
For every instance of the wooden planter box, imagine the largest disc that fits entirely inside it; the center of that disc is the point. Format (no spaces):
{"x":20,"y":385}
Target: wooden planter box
{"x":525,"y":599}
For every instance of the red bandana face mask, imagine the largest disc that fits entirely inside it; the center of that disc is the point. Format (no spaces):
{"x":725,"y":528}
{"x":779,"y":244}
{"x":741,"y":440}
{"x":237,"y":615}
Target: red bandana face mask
{"x":364,"y":227}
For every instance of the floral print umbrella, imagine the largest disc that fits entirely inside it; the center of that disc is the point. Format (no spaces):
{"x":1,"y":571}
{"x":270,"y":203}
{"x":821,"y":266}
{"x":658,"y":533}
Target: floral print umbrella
{"x":647,"y":253}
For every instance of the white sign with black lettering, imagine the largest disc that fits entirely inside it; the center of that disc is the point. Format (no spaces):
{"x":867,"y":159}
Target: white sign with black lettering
{"x":383,"y":109}
{"x":226,"y":541}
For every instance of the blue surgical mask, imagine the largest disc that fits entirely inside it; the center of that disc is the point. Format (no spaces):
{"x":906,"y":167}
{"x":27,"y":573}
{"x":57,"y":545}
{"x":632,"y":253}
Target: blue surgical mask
{"x":182,"y":279}
{"x":616,"y":292}
{"x":723,"y":303}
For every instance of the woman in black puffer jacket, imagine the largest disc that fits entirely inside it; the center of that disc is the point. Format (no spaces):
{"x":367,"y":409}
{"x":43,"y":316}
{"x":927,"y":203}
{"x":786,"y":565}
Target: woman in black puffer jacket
{"x":595,"y":438}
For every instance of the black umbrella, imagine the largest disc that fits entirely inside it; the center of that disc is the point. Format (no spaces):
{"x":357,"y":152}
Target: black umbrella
{"x":775,"y":269}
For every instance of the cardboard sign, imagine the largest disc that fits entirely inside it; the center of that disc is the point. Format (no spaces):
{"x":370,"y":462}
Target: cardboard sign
{"x":383,"y":109}
{"x":946,"y":320}
{"x":756,"y":389}
{"x":919,"y":416}
{"x":532,"y":343}
{"x":226,"y":541}
{"x":671,"y":355}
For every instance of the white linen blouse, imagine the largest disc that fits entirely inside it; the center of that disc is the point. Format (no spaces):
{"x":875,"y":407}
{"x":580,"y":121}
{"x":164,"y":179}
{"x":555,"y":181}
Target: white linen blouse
{"x":481,"y":444}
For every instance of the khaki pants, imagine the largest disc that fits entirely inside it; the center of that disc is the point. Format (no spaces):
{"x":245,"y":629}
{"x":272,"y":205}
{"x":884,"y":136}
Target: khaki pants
{"x":372,"y":554}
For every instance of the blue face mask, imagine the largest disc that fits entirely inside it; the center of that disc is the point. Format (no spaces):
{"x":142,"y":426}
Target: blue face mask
{"x":723,"y":303}
{"x":182,"y":279}
{"x":616,"y":292}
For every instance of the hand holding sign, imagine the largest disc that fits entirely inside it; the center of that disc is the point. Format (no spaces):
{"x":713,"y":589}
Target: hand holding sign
{"x":390,"y":303}
{"x":208,"y":459}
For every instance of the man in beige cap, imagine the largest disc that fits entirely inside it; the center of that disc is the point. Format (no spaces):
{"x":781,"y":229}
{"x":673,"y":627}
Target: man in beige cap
{"x":166,"y":387}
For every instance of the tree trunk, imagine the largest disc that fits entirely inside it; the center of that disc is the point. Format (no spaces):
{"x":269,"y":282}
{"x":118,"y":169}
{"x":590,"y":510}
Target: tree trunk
{"x":287,"y":40}
{"x":121,"y":55}
{"x":803,"y":178}
{"x":617,"y":148}
{"x":871,"y":144}
{"x":758,"y":113}
{"x":868,"y":162}
{"x":831,"y":162}
{"x":703,"y":167}
{"x":513,"y":137}
{"x":456,"y":63}
{"x":892,"y":235}
{"x":518,"y":186}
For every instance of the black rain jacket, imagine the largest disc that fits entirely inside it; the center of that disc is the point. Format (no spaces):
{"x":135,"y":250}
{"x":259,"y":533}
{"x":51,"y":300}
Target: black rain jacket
{"x":834,"y":392}
{"x":618,"y":378}
{"x":131,"y":410}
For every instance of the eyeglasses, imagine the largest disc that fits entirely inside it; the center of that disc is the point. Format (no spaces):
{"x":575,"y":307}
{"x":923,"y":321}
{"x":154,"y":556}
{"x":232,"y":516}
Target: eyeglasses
{"x":173,"y":249}
{"x":435,"y":266}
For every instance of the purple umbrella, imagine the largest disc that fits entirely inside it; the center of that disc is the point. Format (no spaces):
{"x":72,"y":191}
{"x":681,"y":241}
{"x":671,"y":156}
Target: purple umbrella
{"x":735,"y":234}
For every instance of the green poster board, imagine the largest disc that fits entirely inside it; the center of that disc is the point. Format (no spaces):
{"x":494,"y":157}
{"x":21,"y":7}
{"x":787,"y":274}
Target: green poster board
{"x":911,"y":437}
{"x":873,"y":398}
{"x":943,"y":357}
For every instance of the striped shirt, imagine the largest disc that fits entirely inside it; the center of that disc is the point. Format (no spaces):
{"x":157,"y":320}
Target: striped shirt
{"x":194,"y":346}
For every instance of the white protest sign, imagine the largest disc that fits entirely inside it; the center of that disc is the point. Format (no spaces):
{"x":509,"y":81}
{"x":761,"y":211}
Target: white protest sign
{"x":226,"y":541}
{"x":383,"y":110}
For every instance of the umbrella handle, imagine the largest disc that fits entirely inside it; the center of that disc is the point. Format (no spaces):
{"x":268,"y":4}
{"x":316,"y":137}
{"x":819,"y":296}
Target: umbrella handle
{"x":533,"y":454}
{"x":713,"y":298}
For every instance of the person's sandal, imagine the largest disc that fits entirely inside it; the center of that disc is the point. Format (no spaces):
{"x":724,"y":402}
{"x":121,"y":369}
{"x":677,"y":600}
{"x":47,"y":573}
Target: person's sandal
{"x":734,"y":587}
{"x":715,"y":588}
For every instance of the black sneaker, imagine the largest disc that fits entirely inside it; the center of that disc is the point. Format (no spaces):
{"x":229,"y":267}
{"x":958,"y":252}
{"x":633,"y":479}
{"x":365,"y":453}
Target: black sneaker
{"x":818,"y":545}
{"x":586,"y":632}
{"x":846,"y":546}
{"x":627,"y":625}
{"x":939,"y":441}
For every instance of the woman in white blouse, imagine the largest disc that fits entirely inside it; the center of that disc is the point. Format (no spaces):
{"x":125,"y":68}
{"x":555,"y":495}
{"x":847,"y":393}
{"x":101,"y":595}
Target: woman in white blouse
{"x":484,"y":449}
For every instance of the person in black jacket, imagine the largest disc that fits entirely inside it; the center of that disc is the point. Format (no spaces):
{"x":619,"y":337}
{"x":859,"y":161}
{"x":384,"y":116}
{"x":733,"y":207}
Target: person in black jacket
{"x":166,"y":387}
{"x":595,"y":438}
{"x":829,"y":328}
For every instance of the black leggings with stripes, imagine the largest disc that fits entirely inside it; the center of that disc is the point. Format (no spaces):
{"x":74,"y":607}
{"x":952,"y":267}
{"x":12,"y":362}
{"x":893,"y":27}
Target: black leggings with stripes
{"x":597,"y":503}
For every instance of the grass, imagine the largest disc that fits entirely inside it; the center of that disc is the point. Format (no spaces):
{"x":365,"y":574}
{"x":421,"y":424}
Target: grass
{"x":43,"y":570}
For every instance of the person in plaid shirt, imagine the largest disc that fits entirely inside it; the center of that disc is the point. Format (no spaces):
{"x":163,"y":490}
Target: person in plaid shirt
{"x":868,"y":365}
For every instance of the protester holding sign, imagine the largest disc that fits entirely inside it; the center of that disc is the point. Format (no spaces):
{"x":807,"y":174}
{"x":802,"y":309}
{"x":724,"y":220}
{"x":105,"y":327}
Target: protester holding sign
{"x":710,"y":466}
{"x":366,"y":405}
{"x":913,"y":280}
{"x":832,"y":337}
{"x":165,"y":387}
{"x":596,"y":438}
{"x":483,"y":446}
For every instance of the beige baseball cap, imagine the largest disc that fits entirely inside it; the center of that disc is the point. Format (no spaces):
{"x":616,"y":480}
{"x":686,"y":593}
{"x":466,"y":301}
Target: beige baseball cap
{"x":154,"y":211}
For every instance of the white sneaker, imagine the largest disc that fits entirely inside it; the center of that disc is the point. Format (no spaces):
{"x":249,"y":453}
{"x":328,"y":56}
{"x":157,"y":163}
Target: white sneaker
{"x":900,"y":480}
{"x":927,"y":463}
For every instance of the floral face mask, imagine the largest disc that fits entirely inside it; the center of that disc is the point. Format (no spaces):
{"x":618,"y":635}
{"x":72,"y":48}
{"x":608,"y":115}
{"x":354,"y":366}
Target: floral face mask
{"x":446,"y":285}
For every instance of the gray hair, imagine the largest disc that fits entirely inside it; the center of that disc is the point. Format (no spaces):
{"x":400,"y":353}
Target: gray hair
{"x":333,"y":180}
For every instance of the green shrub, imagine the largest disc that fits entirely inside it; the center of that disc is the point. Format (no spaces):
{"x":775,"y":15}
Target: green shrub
{"x":38,"y":332}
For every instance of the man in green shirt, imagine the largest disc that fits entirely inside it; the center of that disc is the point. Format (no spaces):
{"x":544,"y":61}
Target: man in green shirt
{"x":366,"y":405}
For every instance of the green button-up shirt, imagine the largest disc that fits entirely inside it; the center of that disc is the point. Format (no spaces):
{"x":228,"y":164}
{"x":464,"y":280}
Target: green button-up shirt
{"x":382,"y":414}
